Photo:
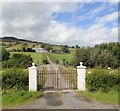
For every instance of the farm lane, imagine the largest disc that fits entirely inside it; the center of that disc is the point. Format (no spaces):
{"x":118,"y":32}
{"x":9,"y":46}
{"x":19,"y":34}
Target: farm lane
{"x":53,"y":77}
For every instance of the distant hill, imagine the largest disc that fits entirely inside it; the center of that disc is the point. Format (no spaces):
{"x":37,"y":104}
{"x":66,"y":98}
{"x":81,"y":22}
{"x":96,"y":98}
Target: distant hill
{"x":15,"y":39}
{"x":12,"y":39}
{"x":8,"y":39}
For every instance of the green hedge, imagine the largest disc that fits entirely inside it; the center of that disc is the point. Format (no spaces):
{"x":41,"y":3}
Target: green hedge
{"x":14,"y":78}
{"x":102,"y":80}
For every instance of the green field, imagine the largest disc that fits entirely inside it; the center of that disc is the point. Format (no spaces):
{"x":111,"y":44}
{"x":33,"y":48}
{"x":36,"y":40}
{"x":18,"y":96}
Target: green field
{"x":37,"y":57}
{"x":54,"y":57}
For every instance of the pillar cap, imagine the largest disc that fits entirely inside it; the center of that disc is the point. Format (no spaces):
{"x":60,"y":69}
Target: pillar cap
{"x":33,"y":66}
{"x":81,"y":66}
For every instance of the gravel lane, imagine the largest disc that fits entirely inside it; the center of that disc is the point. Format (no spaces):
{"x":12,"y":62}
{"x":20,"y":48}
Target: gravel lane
{"x":68,"y":100}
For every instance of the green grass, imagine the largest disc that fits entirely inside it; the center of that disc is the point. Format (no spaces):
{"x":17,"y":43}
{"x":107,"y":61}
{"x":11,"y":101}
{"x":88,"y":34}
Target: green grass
{"x":12,"y":97}
{"x":111,"y":97}
{"x":54,"y":57}
{"x":37,"y":57}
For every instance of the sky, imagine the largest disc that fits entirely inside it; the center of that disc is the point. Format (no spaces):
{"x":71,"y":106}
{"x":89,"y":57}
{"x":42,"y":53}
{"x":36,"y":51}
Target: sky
{"x":70,"y":23}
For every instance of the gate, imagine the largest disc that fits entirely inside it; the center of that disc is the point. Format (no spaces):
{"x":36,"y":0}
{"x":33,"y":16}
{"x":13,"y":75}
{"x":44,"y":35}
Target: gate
{"x":57,"y":79}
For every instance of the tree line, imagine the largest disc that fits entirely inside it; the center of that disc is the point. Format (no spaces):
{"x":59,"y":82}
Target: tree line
{"x":104,"y":55}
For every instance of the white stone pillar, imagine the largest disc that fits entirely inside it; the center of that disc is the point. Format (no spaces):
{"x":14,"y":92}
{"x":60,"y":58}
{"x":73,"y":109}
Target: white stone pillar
{"x":33,"y":78}
{"x":81,"y":77}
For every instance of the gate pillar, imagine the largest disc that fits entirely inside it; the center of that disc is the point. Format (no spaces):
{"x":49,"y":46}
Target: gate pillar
{"x":81,"y":77}
{"x":33,"y":78}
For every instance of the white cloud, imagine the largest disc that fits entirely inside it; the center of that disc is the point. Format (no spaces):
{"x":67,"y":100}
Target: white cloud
{"x":33,"y":21}
{"x":60,"y":34}
{"x":108,"y":18}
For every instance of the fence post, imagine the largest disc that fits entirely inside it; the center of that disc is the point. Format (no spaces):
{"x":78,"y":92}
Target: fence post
{"x":81,"y":77}
{"x":33,"y":78}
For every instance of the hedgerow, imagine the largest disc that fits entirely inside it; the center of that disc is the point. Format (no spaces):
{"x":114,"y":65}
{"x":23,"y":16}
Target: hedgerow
{"x":102,"y":80}
{"x":14,"y":78}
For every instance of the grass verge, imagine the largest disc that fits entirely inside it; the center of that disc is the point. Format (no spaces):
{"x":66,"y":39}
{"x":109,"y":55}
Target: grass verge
{"x":110,"y":97}
{"x":12,"y":98}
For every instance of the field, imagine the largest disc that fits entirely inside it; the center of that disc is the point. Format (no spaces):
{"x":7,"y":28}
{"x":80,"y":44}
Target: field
{"x":54,"y":57}
{"x":37,"y":57}
{"x":29,"y":45}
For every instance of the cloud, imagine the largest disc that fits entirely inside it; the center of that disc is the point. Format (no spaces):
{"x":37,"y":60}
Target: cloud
{"x":34,"y":21}
{"x":90,"y":14}
{"x":95,"y":34}
{"x":108,"y":18}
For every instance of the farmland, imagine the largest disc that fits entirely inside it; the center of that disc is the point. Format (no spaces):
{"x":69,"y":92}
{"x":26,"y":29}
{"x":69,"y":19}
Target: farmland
{"x":37,"y":57}
{"x":68,"y":56}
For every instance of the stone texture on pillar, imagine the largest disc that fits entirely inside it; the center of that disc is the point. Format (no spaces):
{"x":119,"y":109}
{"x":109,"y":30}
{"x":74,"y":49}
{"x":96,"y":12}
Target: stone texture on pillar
{"x":81,"y":77}
{"x":33,"y":78}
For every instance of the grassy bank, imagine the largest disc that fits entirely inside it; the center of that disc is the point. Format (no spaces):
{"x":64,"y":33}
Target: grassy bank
{"x":12,"y":98}
{"x":110,"y":97}
{"x":37,"y":57}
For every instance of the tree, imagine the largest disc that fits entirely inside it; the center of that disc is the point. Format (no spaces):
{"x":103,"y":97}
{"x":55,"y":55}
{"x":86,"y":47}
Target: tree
{"x":24,"y":47}
{"x":65,"y":49}
{"x":43,"y":45}
{"x":104,"y":55}
{"x":64,"y":61}
{"x":48,"y":47}
{"x":4,"y":56}
{"x":77,"y":46}
{"x":83,"y":55}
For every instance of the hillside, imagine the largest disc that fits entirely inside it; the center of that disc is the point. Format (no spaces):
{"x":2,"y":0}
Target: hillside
{"x":15,"y":39}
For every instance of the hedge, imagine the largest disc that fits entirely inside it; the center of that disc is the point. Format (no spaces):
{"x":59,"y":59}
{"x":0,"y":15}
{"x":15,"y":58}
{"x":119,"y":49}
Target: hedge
{"x":15,"y":78}
{"x":101,"y":80}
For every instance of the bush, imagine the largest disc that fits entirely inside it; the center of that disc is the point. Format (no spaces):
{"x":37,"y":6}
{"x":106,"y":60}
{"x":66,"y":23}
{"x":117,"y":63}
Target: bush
{"x":45,"y":61}
{"x":4,"y":55}
{"x":101,"y":80}
{"x":57,"y":61}
{"x":18,"y":60}
{"x":30,"y":50}
{"x":14,"y":78}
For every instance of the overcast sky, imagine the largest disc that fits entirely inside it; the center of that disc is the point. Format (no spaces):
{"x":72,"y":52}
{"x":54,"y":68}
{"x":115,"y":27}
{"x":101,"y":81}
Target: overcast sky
{"x":71,"y":23}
